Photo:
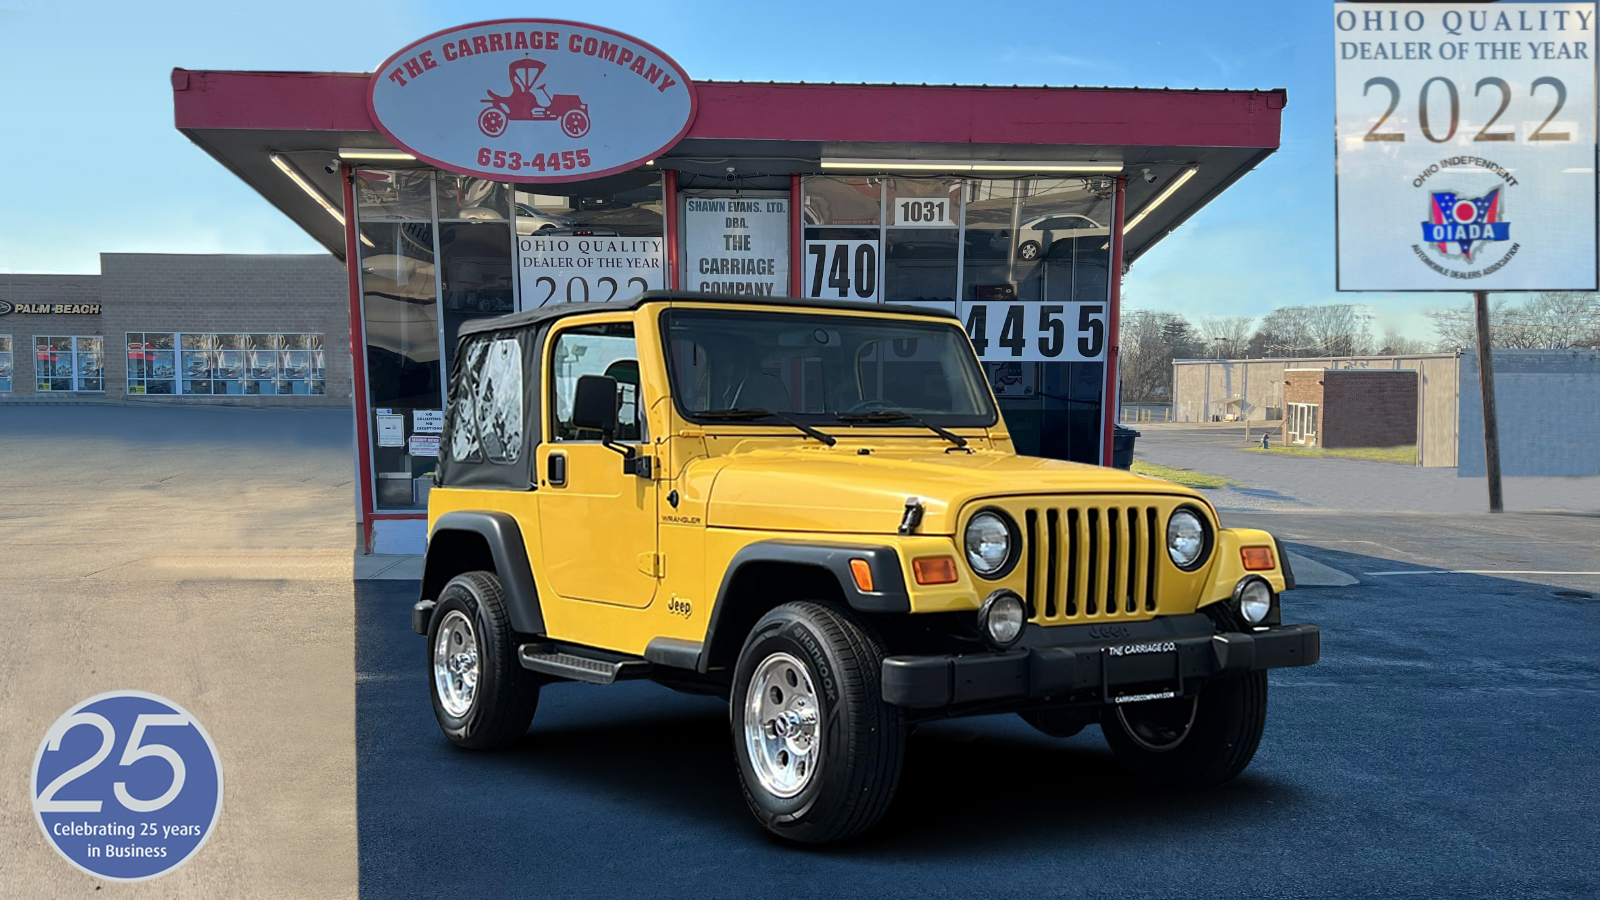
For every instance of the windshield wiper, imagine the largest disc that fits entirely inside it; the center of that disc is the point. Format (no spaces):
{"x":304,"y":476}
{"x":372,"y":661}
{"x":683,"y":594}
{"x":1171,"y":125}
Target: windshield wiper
{"x":745,"y":414}
{"x":891,"y":415}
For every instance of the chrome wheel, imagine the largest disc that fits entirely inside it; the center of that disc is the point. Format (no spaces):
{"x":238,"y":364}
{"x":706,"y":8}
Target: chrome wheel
{"x":455,"y":664}
{"x":1159,"y":725}
{"x":782,"y":726}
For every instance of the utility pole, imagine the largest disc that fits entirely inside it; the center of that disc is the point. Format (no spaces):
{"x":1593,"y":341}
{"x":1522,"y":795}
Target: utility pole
{"x":1491,"y":427}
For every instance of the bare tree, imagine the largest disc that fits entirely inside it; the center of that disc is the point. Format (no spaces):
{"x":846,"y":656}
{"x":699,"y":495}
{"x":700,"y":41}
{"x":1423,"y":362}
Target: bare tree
{"x":1339,"y":329}
{"x":1549,"y":320}
{"x":1396,"y":344}
{"x":1151,"y":339}
{"x":1228,"y":335}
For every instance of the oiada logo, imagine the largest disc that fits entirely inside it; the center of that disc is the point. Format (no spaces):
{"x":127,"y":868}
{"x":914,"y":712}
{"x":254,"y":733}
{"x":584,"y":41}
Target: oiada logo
{"x":1461,"y":227}
{"x":532,"y":100}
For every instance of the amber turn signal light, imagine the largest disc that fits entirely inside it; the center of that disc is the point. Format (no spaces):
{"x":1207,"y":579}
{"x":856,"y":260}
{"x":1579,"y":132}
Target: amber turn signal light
{"x":863,"y":575}
{"x":1256,"y":558}
{"x":934,"y":570}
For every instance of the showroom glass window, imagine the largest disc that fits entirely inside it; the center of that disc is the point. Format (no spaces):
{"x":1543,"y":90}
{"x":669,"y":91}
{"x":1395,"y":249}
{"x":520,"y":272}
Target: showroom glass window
{"x":5,"y":364}
{"x":63,"y":363}
{"x":1042,"y":239}
{"x":400,"y":305}
{"x":152,"y":362}
{"x":626,"y":206}
{"x":475,"y":270}
{"x":922,"y":246}
{"x":843,"y":218}
{"x":940,"y":240}
{"x":227,"y":364}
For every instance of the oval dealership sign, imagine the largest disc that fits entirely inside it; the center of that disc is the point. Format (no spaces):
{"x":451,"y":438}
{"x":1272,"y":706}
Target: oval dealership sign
{"x":532,"y":100}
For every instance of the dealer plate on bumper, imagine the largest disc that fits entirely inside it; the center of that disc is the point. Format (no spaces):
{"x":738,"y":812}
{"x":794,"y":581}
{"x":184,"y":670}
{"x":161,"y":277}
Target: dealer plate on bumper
{"x":1133,"y":673}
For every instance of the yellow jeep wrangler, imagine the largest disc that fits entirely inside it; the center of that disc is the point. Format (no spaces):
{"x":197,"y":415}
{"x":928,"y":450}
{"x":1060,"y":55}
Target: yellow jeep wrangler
{"x":814,"y":510}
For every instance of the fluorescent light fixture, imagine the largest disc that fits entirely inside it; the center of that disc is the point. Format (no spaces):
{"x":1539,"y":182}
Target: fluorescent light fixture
{"x":375,"y":154}
{"x":959,"y":166}
{"x":1161,"y":198}
{"x":288,"y":169}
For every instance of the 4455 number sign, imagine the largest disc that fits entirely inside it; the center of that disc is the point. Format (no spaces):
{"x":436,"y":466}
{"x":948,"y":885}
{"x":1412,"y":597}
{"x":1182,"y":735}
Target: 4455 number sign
{"x":1036,"y":331}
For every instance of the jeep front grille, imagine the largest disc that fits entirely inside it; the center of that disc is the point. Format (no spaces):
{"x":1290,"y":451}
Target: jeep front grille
{"x":1091,"y":562}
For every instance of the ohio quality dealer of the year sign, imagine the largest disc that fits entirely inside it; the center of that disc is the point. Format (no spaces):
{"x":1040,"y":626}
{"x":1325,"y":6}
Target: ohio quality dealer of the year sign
{"x":532,"y":100}
{"x":1465,"y":146}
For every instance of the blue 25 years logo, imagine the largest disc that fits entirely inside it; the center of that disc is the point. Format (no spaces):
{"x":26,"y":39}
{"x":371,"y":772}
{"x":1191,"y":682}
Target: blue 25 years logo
{"x":127,"y":785}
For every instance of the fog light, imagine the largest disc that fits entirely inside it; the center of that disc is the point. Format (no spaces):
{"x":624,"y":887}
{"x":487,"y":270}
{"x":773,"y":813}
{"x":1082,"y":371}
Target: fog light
{"x":1002,"y":617}
{"x":1254,"y":599}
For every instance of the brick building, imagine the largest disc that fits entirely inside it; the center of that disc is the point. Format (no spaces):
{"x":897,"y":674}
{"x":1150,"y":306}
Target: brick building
{"x":1335,"y":408}
{"x":237,"y":329}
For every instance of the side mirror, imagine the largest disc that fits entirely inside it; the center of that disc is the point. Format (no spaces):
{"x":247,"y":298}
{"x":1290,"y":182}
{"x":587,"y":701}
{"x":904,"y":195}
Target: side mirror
{"x":594,"y":406}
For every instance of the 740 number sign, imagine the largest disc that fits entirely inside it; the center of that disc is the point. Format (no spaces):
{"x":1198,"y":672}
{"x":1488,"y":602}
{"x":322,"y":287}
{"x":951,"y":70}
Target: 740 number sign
{"x":842,"y":270}
{"x":1036,"y":331}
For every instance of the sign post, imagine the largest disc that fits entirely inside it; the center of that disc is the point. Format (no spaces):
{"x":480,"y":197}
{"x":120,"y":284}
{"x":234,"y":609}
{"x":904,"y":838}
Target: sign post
{"x":1491,"y":425}
{"x":1465,"y":155}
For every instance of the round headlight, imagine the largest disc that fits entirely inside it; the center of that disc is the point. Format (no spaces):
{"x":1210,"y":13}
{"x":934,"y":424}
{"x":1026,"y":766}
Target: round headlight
{"x":1255,"y":600}
{"x":989,"y":545}
{"x":1186,"y":538}
{"x":1002,"y":617}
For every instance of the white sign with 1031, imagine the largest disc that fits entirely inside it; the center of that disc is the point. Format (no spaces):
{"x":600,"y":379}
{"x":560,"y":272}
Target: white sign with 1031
{"x":922,"y":212}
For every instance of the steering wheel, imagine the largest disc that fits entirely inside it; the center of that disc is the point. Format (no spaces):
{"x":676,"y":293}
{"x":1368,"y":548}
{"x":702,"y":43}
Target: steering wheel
{"x":875,"y":403}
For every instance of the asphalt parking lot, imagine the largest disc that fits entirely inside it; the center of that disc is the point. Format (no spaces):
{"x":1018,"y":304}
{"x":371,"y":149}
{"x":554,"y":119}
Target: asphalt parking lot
{"x":202,"y":554}
{"x":1444,"y":746}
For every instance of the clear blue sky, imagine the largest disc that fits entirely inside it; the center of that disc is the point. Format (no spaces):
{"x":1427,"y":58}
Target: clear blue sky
{"x":92,"y":162}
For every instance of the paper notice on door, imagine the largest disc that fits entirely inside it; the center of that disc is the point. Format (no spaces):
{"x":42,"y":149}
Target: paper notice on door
{"x":391,"y":431}
{"x":424,"y":445}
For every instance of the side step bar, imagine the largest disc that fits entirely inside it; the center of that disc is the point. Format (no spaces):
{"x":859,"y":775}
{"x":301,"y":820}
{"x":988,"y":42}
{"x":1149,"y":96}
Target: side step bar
{"x":581,"y":664}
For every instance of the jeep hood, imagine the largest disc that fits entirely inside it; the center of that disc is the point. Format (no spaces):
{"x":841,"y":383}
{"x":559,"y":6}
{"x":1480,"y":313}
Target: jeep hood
{"x":825,"y":489}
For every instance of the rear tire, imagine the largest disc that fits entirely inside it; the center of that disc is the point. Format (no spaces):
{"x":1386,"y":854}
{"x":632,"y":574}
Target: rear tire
{"x":1195,"y":742}
{"x":482,"y":697}
{"x":819,"y":751}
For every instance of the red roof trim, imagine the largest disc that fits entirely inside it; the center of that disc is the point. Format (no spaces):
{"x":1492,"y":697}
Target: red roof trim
{"x":935,"y":114}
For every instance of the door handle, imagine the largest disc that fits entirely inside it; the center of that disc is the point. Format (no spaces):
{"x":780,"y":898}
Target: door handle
{"x":555,"y":470}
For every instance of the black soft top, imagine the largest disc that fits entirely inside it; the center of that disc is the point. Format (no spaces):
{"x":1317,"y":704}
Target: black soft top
{"x":562,"y":310}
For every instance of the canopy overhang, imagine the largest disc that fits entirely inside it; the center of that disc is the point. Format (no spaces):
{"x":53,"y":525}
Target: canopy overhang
{"x":283,"y":132}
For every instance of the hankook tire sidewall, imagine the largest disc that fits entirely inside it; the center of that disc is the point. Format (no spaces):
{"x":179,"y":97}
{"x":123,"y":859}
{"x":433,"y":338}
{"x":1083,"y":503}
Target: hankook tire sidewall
{"x":790,"y":635}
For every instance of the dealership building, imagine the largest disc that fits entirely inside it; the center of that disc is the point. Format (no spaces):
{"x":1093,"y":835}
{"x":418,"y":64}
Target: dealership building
{"x":509,"y":165}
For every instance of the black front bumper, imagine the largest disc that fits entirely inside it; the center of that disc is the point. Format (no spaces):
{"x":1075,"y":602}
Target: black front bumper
{"x":1078,"y":664}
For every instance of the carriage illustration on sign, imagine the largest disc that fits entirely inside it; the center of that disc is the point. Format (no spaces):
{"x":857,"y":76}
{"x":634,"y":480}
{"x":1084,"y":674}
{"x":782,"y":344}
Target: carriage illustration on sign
{"x":530,"y":101}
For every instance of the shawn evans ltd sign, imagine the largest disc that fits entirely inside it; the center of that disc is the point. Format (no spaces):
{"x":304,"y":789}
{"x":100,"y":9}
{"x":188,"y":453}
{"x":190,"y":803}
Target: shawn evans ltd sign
{"x":532,"y":100}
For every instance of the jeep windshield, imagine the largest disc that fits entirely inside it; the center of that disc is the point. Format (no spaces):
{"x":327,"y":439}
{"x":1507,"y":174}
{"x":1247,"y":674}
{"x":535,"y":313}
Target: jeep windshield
{"x":823,"y":370}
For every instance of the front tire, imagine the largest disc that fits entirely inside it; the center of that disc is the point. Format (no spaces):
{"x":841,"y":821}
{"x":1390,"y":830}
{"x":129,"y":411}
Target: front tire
{"x":1191,"y":742}
{"x":819,"y":751}
{"x":482,"y":697}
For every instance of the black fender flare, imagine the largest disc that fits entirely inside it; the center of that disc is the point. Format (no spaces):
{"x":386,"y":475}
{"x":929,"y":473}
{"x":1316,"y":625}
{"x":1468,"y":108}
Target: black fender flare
{"x":500,"y":531}
{"x":889,"y":594}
